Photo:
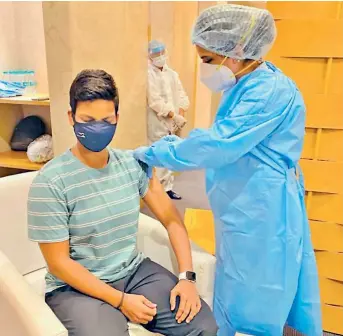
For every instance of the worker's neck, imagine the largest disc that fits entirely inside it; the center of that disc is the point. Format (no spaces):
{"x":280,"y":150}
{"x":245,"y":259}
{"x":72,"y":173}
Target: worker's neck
{"x":252,"y":68}
{"x":91,"y":159}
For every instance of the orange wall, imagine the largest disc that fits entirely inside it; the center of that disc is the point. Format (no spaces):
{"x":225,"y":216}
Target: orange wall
{"x":309,"y":49}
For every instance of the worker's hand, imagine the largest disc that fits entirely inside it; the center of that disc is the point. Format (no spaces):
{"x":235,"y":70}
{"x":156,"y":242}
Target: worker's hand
{"x":139,"y":153}
{"x":138,"y":309}
{"x":171,"y":138}
{"x":190,"y":303}
{"x":180,"y":121}
{"x":182,"y":112}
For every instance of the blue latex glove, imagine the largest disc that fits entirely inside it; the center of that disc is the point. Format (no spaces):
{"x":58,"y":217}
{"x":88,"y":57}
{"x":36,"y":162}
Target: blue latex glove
{"x":171,"y":138}
{"x":139,"y":155}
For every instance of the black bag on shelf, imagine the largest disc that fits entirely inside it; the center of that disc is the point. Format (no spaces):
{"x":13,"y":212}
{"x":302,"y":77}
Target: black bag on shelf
{"x":26,"y":131}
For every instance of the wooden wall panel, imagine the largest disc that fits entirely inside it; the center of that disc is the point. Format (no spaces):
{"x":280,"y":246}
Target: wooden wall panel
{"x":318,"y":38}
{"x":324,"y":111}
{"x":332,"y":318}
{"x":307,"y":73}
{"x":323,"y":176}
{"x":309,"y":49}
{"x":331,"y":291}
{"x":325,"y":207}
{"x":330,"y":147}
{"x":303,"y":9}
{"x":336,"y":78}
{"x":330,"y":264}
{"x":332,"y":240}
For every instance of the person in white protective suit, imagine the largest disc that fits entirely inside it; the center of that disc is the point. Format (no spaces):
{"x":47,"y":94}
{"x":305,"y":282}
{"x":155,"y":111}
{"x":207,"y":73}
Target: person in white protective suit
{"x":167,"y":103}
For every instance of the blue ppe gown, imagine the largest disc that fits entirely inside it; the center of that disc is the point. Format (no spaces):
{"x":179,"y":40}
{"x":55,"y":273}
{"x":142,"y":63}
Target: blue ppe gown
{"x":266,"y":273}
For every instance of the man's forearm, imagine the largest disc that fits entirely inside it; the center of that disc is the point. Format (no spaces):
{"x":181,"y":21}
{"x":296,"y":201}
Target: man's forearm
{"x":166,"y":212}
{"x":78,"y":277}
{"x":180,"y":242}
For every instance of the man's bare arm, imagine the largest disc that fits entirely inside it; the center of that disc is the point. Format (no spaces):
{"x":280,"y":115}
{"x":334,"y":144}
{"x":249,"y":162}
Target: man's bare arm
{"x":163,"y":208}
{"x":74,"y":274}
{"x":165,"y":211}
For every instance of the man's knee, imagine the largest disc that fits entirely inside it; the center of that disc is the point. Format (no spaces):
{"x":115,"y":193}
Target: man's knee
{"x":208,"y":326}
{"x":205,"y":322}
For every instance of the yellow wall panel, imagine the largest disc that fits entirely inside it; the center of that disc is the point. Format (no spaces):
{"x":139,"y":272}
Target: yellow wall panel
{"x":332,"y":318}
{"x":324,"y":111}
{"x":332,"y":240}
{"x":326,"y":207}
{"x":330,"y":265}
{"x":323,"y":176}
{"x":309,"y":143}
{"x":318,"y":38}
{"x":309,"y":74}
{"x":336,"y":78}
{"x":309,"y":49}
{"x":303,"y":9}
{"x":330,"y":146}
{"x":331,"y":291}
{"x":200,"y":227}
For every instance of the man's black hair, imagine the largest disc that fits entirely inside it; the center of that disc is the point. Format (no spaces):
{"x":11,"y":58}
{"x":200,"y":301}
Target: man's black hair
{"x":90,"y":85}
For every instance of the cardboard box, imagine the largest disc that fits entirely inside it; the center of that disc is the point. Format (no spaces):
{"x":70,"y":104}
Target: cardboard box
{"x":331,"y":291}
{"x":330,"y":265}
{"x":332,"y":319}
{"x":200,"y":227}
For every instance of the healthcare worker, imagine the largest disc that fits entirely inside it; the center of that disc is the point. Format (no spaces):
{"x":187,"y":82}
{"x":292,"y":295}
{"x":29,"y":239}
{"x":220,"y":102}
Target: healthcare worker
{"x":266,"y":274}
{"x":167,"y":104}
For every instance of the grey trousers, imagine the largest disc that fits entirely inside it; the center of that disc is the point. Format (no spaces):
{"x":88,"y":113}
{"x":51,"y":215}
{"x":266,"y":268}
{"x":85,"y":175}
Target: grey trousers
{"x":83,"y":315}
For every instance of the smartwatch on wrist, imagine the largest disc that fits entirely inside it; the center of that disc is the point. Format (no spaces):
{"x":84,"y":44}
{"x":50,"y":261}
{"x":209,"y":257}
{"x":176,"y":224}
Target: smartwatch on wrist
{"x":189,"y":276}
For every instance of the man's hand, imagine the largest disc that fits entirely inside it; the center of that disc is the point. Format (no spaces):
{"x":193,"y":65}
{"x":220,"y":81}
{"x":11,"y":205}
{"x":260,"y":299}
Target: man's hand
{"x":182,"y":112}
{"x":138,"y":309}
{"x":179,"y":120}
{"x":190,"y":303}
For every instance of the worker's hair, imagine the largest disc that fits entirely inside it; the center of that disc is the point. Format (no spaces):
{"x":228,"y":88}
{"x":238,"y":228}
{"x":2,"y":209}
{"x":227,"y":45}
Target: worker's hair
{"x":91,"y":85}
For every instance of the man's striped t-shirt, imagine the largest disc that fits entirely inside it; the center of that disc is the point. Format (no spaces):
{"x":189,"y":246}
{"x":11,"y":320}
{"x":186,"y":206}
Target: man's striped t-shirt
{"x":97,"y":210}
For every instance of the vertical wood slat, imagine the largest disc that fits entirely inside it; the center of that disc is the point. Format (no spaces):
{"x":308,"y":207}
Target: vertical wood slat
{"x":326,"y":90}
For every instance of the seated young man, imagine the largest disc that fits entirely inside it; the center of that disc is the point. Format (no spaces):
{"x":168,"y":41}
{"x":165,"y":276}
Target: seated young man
{"x":83,"y":211}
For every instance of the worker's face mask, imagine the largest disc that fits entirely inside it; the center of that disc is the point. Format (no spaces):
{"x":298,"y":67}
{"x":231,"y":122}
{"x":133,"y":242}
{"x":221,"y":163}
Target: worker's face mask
{"x":217,"y":77}
{"x":220,"y":77}
{"x":159,"y":61}
{"x":94,"y":135}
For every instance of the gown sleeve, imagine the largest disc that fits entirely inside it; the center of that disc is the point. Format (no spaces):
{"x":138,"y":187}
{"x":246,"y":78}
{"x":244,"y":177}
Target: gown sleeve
{"x":250,"y":121}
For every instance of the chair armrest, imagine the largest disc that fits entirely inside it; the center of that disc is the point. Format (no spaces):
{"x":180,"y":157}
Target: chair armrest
{"x":29,"y":307}
{"x":154,"y":242}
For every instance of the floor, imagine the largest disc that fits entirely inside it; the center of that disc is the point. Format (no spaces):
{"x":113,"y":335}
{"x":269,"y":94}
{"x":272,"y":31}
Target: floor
{"x":191,"y":186}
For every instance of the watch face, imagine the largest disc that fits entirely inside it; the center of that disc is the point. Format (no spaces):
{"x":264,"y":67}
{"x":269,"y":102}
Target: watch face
{"x":191,"y":276}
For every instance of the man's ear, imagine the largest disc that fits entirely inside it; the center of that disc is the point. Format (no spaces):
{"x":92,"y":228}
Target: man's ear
{"x":70,"y":118}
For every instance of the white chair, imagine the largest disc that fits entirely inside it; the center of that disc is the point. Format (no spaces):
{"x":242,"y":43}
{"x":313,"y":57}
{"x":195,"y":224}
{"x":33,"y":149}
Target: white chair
{"x":23,"y":311}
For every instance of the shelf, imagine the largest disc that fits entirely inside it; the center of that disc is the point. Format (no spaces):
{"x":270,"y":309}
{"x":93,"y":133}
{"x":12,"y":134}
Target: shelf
{"x":17,"y":160}
{"x":21,"y":100}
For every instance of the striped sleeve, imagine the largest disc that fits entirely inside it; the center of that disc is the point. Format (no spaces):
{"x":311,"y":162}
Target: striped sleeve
{"x":47,"y":212}
{"x":143,"y":179}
